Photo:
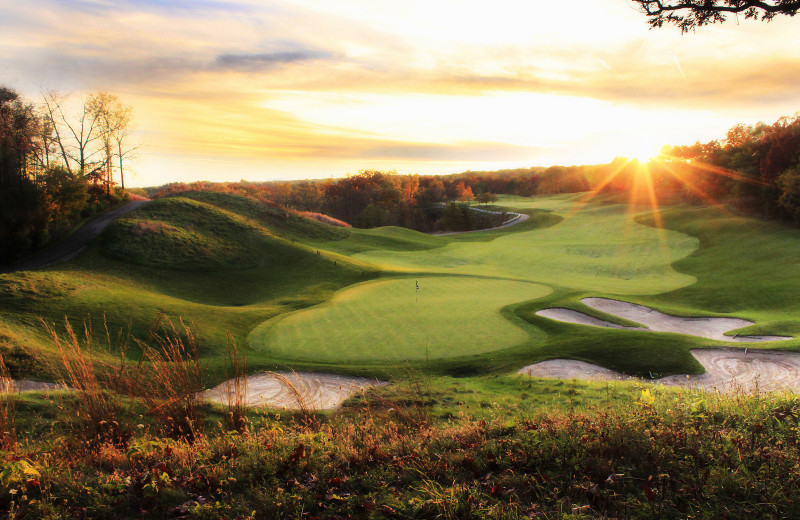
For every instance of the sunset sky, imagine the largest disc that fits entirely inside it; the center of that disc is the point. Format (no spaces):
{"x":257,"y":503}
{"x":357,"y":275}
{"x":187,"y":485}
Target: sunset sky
{"x":285,"y":89}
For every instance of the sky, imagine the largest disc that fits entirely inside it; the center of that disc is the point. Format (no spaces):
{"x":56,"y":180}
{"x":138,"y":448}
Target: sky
{"x":224,"y":90}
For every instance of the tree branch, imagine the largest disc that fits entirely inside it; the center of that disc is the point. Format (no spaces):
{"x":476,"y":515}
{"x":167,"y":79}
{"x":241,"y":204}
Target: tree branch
{"x":688,"y":14}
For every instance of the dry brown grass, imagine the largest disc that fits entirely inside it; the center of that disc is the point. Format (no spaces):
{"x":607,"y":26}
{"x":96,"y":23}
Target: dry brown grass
{"x":325,"y":219}
{"x":105,"y":387}
{"x":145,"y":227}
{"x":175,"y":381}
{"x":236,"y":388}
{"x":8,"y":410}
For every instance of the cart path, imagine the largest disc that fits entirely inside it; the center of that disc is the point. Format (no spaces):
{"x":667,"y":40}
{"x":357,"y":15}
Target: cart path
{"x":74,"y":244}
{"x":516,"y":218}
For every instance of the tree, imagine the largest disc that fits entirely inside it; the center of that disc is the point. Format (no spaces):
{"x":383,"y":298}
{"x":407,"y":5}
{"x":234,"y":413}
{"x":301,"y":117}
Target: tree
{"x":74,"y":134}
{"x":90,"y":137}
{"x":464,"y":193}
{"x":113,"y":125}
{"x":19,"y":137}
{"x":689,"y":14}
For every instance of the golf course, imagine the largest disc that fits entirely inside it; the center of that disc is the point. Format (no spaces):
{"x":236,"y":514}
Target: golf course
{"x":598,"y":356}
{"x":296,"y":294}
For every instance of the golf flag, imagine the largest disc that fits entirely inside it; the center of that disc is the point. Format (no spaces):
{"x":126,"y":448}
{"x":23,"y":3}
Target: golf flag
{"x":418,"y":285}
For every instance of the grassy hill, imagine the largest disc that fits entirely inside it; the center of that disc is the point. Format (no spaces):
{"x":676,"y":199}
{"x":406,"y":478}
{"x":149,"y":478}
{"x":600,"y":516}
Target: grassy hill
{"x":296,"y":293}
{"x":221,"y":263}
{"x":230,"y":265}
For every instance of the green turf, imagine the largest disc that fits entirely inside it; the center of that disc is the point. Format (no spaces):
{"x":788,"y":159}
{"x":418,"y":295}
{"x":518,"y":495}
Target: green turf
{"x":390,"y":320}
{"x":599,"y":248}
{"x":296,"y":293}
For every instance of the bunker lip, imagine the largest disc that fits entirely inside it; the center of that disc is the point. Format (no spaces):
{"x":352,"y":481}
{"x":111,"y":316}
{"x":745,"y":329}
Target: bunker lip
{"x":654,"y":321}
{"x":294,"y":390}
{"x":727,"y":370}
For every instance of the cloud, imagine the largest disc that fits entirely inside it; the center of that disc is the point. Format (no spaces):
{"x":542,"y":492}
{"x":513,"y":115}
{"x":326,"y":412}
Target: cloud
{"x":467,"y":151}
{"x":260,"y":62}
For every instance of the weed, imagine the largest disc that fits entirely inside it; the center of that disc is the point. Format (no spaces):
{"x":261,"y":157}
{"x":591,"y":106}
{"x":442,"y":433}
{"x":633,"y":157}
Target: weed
{"x":104,"y":390}
{"x":8,"y":410}
{"x":175,"y":381}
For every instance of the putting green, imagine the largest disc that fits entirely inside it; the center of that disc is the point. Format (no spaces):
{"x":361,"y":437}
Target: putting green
{"x":390,"y":320}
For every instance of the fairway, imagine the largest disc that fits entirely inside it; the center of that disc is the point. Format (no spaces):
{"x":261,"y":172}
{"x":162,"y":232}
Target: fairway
{"x":600,"y":248}
{"x":309,"y":297}
{"x":390,"y":320}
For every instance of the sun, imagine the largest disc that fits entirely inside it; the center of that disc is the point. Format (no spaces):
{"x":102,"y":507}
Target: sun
{"x":644,"y":154}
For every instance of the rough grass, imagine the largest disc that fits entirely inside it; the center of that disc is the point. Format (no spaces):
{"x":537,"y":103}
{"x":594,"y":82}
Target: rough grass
{"x":475,"y":451}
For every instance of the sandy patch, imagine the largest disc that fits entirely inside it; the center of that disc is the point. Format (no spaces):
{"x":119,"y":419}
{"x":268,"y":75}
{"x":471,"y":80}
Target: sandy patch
{"x":727,"y":369}
{"x":711,"y":328}
{"x":288,"y":389}
{"x":27,"y":385}
{"x":572,"y":369}
{"x":570,"y":316}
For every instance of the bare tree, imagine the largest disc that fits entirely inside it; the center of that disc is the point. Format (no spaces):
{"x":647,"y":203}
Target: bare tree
{"x":689,"y":14}
{"x":77,"y":133}
{"x":120,"y":137}
{"x":91,"y":137}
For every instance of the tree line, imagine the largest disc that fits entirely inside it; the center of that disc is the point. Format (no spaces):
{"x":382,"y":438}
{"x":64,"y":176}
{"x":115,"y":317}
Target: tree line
{"x":755,"y":168}
{"x":373,"y":198}
{"x":60,"y":160}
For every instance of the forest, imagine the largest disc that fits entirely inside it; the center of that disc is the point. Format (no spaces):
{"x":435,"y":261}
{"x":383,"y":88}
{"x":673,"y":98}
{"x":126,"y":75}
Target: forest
{"x":61,"y":160}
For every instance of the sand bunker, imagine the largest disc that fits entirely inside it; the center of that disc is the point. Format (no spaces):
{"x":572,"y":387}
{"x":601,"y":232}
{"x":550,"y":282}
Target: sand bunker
{"x":711,"y":328}
{"x":27,"y":385}
{"x":287,"y":390}
{"x":296,"y":390}
{"x":727,"y":370}
{"x":572,"y":369}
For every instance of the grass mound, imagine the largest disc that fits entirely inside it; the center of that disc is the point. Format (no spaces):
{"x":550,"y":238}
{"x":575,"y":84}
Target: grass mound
{"x":181,"y":233}
{"x":388,"y":238}
{"x":207,"y":230}
{"x":279,"y":221}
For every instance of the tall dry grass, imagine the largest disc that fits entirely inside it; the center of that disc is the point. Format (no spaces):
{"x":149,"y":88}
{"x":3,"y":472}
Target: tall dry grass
{"x":8,"y":410}
{"x":325,"y":219}
{"x":175,"y":381}
{"x":236,"y":388}
{"x":105,"y":387}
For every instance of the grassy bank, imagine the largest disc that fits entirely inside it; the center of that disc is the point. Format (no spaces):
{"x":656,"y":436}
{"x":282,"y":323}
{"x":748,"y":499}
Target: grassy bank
{"x":434,"y":448}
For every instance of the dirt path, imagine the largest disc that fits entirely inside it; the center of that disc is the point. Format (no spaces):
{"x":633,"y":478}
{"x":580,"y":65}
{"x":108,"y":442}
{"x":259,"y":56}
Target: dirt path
{"x":727,"y":370}
{"x":516,"y":219}
{"x":74,"y":244}
{"x":654,"y":321}
{"x":296,"y":390}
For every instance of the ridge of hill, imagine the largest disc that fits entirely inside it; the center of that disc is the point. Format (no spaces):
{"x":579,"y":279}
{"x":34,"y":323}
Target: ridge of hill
{"x":221,"y":263}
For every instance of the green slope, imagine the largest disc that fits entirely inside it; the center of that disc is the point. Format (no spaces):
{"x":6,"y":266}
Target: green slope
{"x":221,"y":263}
{"x":300,"y":294}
